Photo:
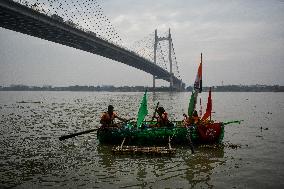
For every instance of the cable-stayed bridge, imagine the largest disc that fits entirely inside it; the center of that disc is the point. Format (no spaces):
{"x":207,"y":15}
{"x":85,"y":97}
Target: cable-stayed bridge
{"x":81,"y":24}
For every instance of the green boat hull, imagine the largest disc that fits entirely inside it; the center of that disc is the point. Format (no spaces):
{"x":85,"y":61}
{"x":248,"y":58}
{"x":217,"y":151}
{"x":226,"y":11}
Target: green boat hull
{"x":155,"y":135}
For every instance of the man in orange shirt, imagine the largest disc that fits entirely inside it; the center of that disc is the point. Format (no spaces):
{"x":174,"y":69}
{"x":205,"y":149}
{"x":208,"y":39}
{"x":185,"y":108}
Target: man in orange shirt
{"x":107,"y":119}
{"x":162,"y":118}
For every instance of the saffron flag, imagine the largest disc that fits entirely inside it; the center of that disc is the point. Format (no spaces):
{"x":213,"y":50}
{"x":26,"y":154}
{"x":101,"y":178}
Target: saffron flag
{"x":198,"y":79}
{"x":191,"y":104}
{"x":209,"y":107}
{"x":143,"y":110}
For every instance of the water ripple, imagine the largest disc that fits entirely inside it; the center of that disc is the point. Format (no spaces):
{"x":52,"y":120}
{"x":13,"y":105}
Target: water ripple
{"x":31,"y":156}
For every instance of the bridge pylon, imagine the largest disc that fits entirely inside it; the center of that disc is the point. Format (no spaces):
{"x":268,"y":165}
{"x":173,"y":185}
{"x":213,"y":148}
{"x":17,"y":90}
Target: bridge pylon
{"x":169,"y":39}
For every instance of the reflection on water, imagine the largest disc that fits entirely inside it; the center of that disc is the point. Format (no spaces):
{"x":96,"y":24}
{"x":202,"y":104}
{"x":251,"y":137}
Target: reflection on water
{"x":201,"y":165}
{"x":159,"y":172}
{"x":32,"y":156}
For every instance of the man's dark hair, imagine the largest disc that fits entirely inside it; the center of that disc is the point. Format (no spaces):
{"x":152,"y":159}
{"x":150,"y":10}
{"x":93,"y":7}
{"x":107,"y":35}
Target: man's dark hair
{"x":110,"y":108}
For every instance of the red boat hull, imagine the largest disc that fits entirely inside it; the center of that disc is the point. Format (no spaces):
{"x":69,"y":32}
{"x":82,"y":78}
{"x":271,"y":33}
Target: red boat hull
{"x":209,"y":133}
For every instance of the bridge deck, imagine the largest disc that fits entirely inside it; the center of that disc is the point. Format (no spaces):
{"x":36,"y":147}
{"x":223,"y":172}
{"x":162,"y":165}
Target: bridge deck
{"x":17,"y":17}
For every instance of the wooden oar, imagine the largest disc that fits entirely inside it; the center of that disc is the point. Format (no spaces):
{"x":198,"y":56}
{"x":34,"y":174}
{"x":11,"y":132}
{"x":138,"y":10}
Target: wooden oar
{"x":236,"y":121}
{"x":154,"y":115}
{"x":85,"y":132}
{"x":76,"y":134}
{"x":190,"y":144}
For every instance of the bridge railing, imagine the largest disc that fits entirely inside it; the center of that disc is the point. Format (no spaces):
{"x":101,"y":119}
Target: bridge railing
{"x":77,"y":26}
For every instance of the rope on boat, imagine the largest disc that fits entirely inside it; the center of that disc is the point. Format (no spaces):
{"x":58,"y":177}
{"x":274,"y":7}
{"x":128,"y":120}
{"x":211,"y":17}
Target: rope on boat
{"x":190,"y":142}
{"x":170,"y":143}
{"x":122,"y":142}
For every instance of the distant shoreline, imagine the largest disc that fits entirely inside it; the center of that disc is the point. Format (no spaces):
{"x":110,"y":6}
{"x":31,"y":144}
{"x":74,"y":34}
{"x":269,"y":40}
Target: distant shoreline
{"x":110,"y":88}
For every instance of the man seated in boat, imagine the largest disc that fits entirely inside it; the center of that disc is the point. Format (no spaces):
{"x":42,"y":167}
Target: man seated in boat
{"x":191,"y":120}
{"x":187,"y":120}
{"x":107,"y":119}
{"x":195,"y":117}
{"x":162,"y":118}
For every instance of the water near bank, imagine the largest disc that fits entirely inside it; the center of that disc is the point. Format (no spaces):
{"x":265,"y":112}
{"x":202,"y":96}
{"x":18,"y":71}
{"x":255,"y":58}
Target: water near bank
{"x":32,"y":156}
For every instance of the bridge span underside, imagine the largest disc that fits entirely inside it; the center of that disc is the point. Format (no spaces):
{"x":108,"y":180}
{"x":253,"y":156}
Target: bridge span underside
{"x":16,"y":17}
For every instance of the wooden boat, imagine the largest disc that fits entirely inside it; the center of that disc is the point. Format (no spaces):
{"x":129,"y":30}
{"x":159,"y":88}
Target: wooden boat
{"x":204,"y":131}
{"x":146,"y":135}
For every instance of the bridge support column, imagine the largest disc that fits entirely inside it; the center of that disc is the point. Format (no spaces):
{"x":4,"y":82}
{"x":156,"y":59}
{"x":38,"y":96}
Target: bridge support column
{"x":154,"y":82}
{"x":170,"y":59}
{"x":155,"y":58}
{"x":171,"y":82}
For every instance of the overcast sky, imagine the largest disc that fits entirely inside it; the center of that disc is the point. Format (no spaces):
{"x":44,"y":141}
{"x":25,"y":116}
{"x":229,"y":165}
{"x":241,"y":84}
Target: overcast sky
{"x":242,"y":43}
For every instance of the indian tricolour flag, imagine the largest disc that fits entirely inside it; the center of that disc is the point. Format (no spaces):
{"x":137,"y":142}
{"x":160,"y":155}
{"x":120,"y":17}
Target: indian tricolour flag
{"x":198,"y":79}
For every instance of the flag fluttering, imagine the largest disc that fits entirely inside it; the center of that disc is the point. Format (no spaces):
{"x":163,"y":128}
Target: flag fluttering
{"x":143,"y":110}
{"x":209,"y":107}
{"x":198,"y":79}
{"x":197,"y":88}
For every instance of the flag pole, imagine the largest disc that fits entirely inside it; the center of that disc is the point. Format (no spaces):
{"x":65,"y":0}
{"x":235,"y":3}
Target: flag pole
{"x":201,"y":72}
{"x":200,"y":111}
{"x":211,"y":103}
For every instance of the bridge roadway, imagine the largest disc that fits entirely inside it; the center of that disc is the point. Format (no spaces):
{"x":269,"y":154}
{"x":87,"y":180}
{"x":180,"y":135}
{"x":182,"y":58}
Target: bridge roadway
{"x":17,"y":17}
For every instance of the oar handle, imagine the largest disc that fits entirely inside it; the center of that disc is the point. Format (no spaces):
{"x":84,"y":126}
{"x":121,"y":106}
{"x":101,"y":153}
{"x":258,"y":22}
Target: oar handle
{"x":236,"y":121}
{"x":154,"y":115}
{"x":76,"y":134}
{"x":125,"y":121}
{"x":84,"y":132}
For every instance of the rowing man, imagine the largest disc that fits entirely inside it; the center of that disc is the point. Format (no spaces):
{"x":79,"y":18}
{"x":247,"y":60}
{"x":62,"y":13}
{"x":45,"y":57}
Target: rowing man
{"x":107,"y":119}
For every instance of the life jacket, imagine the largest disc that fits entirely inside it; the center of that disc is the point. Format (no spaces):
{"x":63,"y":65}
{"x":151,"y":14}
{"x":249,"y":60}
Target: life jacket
{"x":108,"y":119}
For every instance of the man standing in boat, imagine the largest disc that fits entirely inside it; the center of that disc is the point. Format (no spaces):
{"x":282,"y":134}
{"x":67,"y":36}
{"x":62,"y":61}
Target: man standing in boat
{"x":107,"y":119}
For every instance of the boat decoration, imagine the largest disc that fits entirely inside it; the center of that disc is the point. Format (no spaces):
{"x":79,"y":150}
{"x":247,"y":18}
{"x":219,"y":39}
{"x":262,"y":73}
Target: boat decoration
{"x":149,"y":135}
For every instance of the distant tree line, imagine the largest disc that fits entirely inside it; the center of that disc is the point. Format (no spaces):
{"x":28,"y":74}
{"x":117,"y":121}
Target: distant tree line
{"x":111,"y":88}
{"x":244,"y":88}
{"x":108,"y":88}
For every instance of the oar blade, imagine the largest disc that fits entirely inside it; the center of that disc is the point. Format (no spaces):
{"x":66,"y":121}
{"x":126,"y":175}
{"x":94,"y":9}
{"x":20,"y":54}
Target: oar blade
{"x":75,"y":134}
{"x":65,"y":137}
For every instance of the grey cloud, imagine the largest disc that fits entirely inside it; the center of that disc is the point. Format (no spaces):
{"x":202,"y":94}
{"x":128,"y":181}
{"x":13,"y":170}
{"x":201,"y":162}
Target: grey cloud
{"x":242,"y":42}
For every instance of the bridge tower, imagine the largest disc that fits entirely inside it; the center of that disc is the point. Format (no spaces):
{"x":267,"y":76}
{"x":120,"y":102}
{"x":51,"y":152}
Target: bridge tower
{"x":169,"y":39}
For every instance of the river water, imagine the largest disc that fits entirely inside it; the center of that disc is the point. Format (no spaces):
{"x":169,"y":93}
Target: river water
{"x":31,"y":156}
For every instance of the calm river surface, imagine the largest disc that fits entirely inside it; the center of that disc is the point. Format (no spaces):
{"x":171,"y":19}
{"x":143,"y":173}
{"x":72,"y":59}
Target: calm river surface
{"x":31,"y":156}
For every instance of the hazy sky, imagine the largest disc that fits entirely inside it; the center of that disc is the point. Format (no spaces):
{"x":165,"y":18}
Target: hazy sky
{"x":242,"y":43}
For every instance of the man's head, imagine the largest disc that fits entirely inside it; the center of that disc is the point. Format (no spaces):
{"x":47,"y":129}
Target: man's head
{"x":110,"y":108}
{"x":161,"y":110}
{"x":195,"y":113}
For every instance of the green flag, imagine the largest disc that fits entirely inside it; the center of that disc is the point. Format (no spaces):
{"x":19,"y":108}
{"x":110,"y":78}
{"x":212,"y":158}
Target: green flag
{"x":191,"y":105}
{"x":143,"y":110}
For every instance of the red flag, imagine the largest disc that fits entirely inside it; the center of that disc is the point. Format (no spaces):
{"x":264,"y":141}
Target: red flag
{"x":209,"y":107}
